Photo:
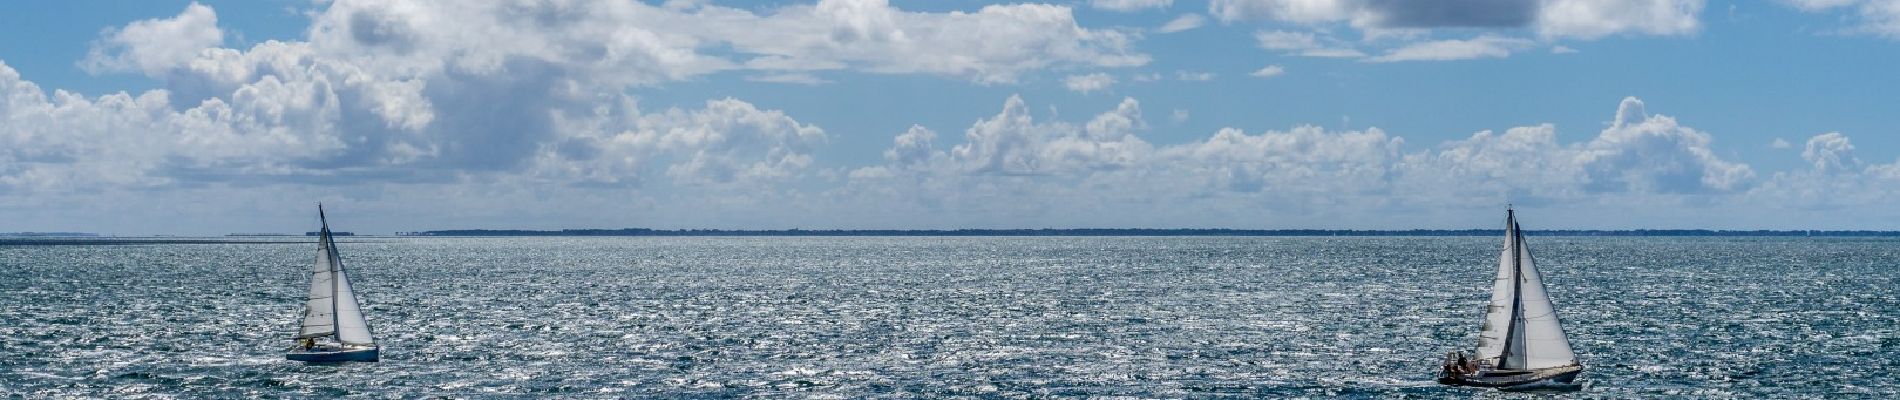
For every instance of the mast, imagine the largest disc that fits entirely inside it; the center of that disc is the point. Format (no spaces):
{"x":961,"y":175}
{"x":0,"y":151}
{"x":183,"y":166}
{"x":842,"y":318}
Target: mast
{"x":1514,"y":327}
{"x":336,"y":325}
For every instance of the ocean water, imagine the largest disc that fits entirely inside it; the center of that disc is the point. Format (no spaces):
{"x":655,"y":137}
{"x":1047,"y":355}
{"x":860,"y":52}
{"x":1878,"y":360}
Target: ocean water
{"x":926,"y":317}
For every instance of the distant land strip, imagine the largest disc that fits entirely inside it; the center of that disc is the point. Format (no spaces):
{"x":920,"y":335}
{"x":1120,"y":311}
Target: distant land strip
{"x":1134,"y":232}
{"x":129,"y":241}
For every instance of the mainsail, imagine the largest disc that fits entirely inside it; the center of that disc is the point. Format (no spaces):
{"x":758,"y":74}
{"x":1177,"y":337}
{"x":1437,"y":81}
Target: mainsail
{"x":332,"y":307}
{"x":1521,"y":330}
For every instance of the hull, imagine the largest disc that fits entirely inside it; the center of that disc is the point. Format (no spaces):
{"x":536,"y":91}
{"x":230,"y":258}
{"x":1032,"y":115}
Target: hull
{"x":1548,"y":378}
{"x":364,"y":354}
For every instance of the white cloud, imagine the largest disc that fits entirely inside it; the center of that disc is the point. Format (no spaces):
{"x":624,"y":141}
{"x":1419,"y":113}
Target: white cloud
{"x":1830,"y":152}
{"x":1446,"y":50}
{"x":1560,"y":49}
{"x":1191,"y":76}
{"x":1591,"y":19}
{"x":1284,"y":40}
{"x":391,"y":106}
{"x":405,"y":90}
{"x":1012,"y":143}
{"x":645,"y":44}
{"x":916,"y":147}
{"x":1332,"y":53}
{"x":1780,"y":143}
{"x":1653,"y":154}
{"x":1089,"y":82}
{"x":1269,"y":71}
{"x":790,"y":77}
{"x":1301,"y":11}
{"x":1308,"y":171}
{"x":155,"y":46}
{"x":995,"y":44}
{"x":1182,"y":23}
{"x":1874,"y":17}
{"x":1551,"y":19}
{"x":1305,"y":44}
{"x":1835,"y":181}
{"x":1820,"y":5}
{"x":1130,"y":5}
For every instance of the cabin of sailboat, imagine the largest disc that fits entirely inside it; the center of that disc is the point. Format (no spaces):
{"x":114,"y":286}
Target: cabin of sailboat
{"x":1522,"y":341}
{"x":333,"y":325}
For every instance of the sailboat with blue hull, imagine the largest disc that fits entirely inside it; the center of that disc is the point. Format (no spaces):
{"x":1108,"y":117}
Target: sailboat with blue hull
{"x":333,"y":326}
{"x":1522,"y":344}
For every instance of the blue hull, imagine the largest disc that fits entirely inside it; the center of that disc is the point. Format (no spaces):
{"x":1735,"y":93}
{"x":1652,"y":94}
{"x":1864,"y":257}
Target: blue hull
{"x":335,"y":355}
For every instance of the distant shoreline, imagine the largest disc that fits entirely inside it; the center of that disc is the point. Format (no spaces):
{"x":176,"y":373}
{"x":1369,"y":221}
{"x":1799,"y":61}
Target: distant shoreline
{"x":1132,"y":232}
{"x":93,"y":239}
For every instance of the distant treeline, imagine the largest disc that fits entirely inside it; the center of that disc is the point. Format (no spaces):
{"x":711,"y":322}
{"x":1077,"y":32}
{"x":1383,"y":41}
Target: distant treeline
{"x":47,"y":234}
{"x":1130,"y":232}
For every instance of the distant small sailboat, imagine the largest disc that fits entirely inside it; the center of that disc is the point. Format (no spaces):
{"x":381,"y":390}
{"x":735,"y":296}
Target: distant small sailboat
{"x":1522,"y":344}
{"x":331,"y":313}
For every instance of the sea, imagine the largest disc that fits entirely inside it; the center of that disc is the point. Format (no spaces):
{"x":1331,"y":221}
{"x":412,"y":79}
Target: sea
{"x":942,"y":317}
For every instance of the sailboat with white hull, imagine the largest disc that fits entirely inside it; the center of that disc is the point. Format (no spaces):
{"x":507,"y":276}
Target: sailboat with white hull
{"x":333,"y":326}
{"x":1522,"y":344}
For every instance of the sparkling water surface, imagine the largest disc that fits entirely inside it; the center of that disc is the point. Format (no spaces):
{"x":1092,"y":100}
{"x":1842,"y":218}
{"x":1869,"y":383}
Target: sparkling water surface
{"x":934,"y":317}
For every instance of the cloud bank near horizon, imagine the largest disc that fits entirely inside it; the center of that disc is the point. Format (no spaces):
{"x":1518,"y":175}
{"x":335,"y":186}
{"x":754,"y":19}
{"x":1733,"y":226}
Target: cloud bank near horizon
{"x":521,"y":116}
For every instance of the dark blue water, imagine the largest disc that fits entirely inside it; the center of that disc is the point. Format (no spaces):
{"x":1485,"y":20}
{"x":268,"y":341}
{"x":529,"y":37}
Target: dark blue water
{"x":945,"y":317}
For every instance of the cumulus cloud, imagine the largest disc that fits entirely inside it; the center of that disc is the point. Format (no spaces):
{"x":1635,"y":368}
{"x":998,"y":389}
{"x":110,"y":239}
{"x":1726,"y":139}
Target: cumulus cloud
{"x":1639,"y":158}
{"x":403,"y":90}
{"x":1089,"y":82}
{"x":1834,"y":180}
{"x":392,"y":103}
{"x":1269,"y":71}
{"x":1013,"y":143}
{"x":1652,"y":153}
{"x":155,"y":46}
{"x":1830,"y":152}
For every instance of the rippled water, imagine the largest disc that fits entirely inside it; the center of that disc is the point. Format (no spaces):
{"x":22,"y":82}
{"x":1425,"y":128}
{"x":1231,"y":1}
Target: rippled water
{"x":945,"y":317}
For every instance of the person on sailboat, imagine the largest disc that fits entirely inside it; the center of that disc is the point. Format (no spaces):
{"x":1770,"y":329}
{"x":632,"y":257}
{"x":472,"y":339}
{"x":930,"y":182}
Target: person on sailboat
{"x":309,"y":343}
{"x":1452,"y":368}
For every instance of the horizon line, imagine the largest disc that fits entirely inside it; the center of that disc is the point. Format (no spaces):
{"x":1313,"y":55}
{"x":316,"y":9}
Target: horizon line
{"x":1289,"y":232}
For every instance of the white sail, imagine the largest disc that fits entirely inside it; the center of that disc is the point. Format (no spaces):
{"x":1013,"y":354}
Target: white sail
{"x":1497,"y":313}
{"x":332,"y":308}
{"x":351,"y":329}
{"x":1539,"y":340}
{"x":319,"y":315}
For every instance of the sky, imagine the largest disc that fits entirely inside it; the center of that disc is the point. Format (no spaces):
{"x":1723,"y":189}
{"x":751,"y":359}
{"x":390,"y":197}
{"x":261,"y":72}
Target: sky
{"x":209,"y":117}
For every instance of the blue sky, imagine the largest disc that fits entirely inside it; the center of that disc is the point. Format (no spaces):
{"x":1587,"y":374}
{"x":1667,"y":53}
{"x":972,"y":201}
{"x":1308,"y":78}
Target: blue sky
{"x":144,"y":117}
